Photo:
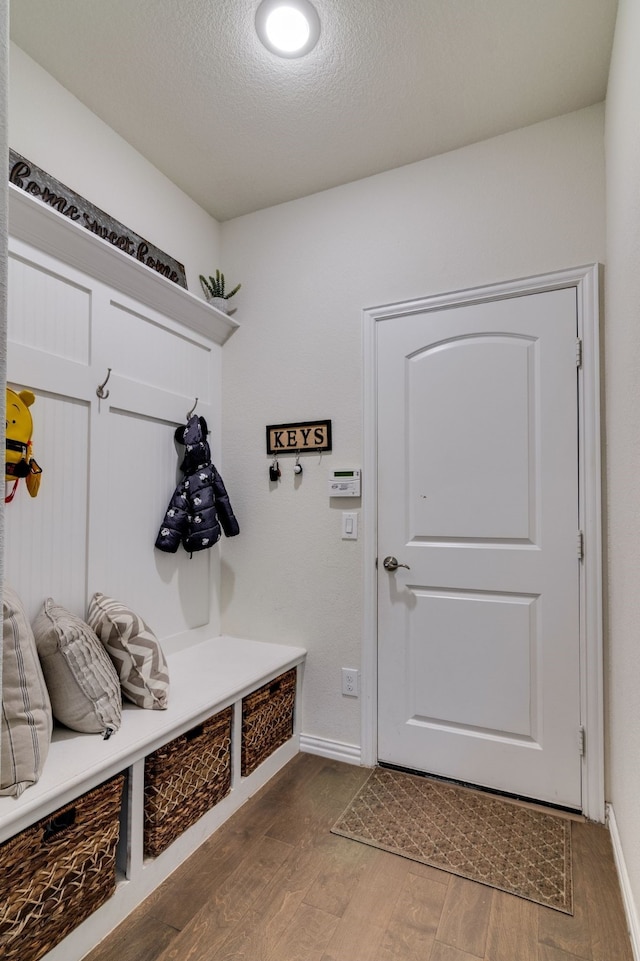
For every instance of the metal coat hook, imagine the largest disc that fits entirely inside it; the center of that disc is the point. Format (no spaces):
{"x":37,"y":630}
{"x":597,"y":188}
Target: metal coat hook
{"x":100,"y":389}
{"x":190,"y":414}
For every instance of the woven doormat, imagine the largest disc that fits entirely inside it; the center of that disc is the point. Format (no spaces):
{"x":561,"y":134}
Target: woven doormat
{"x":500,"y":843}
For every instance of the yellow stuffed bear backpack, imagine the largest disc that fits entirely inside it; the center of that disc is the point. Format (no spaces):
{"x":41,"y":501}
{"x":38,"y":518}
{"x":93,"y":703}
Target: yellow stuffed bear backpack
{"x":19,"y":460}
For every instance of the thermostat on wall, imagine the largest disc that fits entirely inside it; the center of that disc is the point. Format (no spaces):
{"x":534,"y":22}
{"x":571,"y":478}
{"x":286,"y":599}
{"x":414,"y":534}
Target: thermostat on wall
{"x":344,"y":483}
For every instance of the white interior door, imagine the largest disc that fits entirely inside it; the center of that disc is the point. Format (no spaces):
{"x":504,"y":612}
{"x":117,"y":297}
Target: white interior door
{"x":478,"y":643}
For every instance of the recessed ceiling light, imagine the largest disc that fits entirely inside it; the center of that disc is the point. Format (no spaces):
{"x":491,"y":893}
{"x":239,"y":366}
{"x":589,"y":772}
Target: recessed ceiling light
{"x":289,"y":28}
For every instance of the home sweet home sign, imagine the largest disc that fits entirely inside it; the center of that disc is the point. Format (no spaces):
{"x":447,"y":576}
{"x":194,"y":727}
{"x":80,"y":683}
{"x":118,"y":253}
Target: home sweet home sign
{"x":40,"y":184}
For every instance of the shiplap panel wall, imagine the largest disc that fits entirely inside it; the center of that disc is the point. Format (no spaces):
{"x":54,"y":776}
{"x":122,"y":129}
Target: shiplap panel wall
{"x":46,"y":536}
{"x":109,"y":466}
{"x":141,"y":474}
{"x":48,"y":311}
{"x":152,"y":353}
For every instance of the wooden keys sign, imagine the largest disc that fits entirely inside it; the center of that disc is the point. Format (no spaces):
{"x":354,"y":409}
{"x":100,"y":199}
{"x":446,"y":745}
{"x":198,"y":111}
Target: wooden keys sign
{"x":304,"y":436}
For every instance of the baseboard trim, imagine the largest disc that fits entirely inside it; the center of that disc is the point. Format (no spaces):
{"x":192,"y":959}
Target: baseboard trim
{"x":336,"y":750}
{"x":630,"y":910}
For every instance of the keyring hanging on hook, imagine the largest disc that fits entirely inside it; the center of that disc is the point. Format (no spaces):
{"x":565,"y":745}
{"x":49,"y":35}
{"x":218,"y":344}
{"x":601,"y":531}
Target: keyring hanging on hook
{"x":297,"y":467}
{"x":274,"y":470}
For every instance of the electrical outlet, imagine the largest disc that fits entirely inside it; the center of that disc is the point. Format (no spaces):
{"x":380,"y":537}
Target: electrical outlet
{"x":350,"y":682}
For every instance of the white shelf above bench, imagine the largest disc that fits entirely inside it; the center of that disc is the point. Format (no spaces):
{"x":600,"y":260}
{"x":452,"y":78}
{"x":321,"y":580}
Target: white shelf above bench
{"x":47,"y":230}
{"x":204,"y":678}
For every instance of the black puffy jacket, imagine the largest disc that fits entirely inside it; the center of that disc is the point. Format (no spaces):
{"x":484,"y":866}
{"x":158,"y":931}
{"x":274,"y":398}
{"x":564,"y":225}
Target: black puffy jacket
{"x":200,"y":503}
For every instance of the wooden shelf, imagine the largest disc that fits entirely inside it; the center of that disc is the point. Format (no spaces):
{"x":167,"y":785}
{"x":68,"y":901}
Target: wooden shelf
{"x":44,"y":228}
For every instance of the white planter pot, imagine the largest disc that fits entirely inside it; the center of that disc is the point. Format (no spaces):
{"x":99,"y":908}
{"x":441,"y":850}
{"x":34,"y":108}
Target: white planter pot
{"x":220,"y":303}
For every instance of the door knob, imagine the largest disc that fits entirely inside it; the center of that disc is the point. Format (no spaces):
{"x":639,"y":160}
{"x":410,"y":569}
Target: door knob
{"x":391,"y":564}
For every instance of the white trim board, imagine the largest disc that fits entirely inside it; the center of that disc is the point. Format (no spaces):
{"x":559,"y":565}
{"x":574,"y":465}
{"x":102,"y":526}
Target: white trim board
{"x":630,"y":910}
{"x":586,"y":280}
{"x":336,"y":750}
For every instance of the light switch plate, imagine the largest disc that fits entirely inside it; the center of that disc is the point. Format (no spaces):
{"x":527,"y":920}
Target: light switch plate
{"x":349,"y":525}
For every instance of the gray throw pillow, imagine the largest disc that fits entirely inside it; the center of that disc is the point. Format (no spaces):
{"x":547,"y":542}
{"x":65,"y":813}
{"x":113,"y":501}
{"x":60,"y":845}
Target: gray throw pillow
{"x":26,"y":724}
{"x":134,"y":650}
{"x":83,"y":684}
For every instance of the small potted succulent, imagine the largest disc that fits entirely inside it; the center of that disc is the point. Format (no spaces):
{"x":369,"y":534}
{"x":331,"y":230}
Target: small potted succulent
{"x":215,"y":293}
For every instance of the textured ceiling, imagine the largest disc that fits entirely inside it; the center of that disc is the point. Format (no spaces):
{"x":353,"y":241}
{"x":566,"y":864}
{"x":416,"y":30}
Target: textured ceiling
{"x":188,"y":84}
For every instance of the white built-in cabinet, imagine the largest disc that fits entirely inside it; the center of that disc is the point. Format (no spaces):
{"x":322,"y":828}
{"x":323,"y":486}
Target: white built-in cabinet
{"x":76,"y":307}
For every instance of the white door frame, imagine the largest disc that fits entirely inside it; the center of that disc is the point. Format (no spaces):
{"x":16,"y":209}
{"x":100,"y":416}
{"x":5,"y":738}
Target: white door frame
{"x":586,"y":280}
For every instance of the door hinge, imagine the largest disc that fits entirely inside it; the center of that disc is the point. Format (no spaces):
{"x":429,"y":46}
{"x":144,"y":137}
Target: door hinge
{"x":580,"y":545}
{"x":579,"y":352}
{"x":581,"y":740}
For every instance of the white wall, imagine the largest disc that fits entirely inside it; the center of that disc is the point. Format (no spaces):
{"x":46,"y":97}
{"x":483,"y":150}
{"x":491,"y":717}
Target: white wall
{"x":53,"y":130}
{"x":520,"y":204}
{"x":622,"y":353}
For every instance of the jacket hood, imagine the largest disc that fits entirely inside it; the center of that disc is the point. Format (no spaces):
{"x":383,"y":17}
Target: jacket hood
{"x":194,"y":438}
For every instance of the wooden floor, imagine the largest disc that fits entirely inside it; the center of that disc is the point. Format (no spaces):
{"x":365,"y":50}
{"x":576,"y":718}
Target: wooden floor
{"x":274,"y":885}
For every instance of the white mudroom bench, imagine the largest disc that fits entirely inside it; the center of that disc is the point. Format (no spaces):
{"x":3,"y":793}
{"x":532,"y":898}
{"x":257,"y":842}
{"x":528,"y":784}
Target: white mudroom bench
{"x":206,"y":677}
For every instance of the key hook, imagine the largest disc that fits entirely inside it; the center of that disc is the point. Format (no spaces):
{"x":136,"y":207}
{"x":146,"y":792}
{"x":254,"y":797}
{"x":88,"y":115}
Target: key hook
{"x":100,"y":389}
{"x":274,"y":470}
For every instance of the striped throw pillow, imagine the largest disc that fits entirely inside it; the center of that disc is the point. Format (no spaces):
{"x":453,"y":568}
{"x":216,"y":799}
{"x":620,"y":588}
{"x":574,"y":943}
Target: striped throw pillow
{"x":82,"y":682}
{"x":26,"y":709}
{"x":134,"y":650}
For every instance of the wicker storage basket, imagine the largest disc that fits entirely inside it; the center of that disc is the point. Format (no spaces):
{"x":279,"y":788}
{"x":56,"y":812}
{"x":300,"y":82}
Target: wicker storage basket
{"x":184,"y":779}
{"x":54,"y":874}
{"x":267,"y":720}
